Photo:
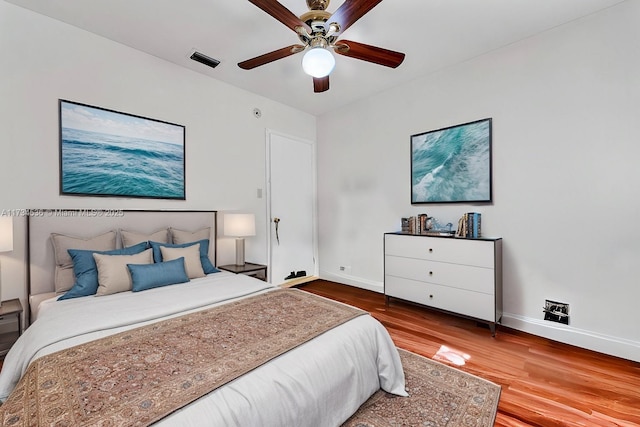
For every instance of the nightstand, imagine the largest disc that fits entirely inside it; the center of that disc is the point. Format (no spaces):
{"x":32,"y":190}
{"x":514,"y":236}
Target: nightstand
{"x":10,"y":324}
{"x":258,"y":271}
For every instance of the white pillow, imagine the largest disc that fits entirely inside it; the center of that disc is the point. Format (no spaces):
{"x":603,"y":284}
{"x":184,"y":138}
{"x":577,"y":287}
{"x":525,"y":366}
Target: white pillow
{"x":191,"y":255}
{"x":113,"y":274}
{"x":64,"y":277}
{"x":130,"y":238}
{"x":180,"y":236}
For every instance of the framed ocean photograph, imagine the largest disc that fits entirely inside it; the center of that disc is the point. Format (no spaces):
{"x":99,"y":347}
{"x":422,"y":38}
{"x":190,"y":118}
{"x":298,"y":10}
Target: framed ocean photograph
{"x":108,"y":153}
{"x":452,"y":165}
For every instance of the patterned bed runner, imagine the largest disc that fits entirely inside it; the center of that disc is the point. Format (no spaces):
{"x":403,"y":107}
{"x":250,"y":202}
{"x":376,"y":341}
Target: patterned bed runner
{"x":139,"y":376}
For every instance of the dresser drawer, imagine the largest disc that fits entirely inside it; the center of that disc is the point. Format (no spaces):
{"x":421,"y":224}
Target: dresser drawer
{"x":473,"y":304}
{"x":479,"y":253}
{"x":478,"y":279}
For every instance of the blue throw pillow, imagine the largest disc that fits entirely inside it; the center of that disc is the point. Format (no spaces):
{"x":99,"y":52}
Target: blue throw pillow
{"x":149,"y":276}
{"x":86,"y":271}
{"x":207,"y":266}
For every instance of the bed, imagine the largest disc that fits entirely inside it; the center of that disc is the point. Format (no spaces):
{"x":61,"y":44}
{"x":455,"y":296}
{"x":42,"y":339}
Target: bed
{"x":319,"y":381}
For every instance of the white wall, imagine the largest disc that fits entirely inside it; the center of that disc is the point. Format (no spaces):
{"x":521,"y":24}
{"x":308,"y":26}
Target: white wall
{"x":565,"y":107}
{"x":44,"y":60}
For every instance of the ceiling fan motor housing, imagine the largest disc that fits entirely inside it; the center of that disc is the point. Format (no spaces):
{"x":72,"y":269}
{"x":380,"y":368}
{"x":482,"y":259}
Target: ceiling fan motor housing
{"x":315,"y":18}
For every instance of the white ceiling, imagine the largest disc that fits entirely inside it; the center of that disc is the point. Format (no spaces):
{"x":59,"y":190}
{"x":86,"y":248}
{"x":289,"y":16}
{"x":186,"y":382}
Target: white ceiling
{"x":433,"y":34}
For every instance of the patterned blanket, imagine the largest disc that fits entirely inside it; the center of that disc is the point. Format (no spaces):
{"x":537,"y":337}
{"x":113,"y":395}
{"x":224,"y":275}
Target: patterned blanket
{"x":137,"y":377}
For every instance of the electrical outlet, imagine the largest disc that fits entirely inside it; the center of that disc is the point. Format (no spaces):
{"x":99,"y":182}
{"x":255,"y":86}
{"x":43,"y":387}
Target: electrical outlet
{"x":555,"y":311}
{"x":345,"y":269}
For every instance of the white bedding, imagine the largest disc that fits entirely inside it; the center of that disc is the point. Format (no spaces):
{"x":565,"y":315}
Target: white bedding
{"x":320,"y":383}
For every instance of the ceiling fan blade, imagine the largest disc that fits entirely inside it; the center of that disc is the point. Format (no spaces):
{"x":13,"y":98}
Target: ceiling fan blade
{"x":320,"y":84}
{"x":350,"y":12}
{"x":270,"y":57}
{"x":281,"y":13}
{"x":365,"y":52}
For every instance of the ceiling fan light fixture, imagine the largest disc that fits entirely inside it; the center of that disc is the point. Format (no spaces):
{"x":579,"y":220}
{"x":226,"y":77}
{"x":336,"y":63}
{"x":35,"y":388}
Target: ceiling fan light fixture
{"x":318,"y":62}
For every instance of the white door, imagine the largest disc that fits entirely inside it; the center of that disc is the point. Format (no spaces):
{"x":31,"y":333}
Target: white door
{"x":291,"y":207}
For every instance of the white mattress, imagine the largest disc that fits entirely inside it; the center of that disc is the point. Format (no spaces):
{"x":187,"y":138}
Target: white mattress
{"x":320,"y":383}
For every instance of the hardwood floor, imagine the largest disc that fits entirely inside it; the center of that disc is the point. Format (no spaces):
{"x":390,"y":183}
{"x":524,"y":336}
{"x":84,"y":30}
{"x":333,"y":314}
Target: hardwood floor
{"x":544,"y":383}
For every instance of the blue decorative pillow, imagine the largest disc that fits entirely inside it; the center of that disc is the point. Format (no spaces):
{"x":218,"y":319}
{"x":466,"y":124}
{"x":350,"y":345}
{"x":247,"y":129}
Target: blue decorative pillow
{"x":149,"y":276}
{"x":207,"y":266}
{"x":86,"y":271}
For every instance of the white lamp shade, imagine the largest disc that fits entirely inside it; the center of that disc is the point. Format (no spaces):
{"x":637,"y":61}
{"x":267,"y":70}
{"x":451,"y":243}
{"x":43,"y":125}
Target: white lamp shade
{"x":239,"y":225}
{"x":318,"y":62}
{"x":6,"y":233}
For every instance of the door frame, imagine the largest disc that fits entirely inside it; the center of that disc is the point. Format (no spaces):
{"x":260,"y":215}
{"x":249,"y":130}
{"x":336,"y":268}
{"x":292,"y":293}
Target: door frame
{"x":314,"y":216}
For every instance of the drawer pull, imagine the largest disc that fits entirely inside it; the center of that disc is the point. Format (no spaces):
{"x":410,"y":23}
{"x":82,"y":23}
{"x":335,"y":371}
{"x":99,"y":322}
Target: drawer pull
{"x":431,"y":273}
{"x":430,"y":250}
{"x":431,"y":296}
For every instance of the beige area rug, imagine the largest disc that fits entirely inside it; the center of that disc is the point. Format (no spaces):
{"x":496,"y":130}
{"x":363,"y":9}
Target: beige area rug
{"x":438,"y":396}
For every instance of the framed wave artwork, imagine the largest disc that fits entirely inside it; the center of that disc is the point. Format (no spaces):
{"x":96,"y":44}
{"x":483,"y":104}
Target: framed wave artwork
{"x":108,"y":153}
{"x":452,"y":165}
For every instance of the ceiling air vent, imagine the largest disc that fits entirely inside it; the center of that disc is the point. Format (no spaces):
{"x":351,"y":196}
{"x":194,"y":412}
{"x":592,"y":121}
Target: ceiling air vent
{"x":204,"y":59}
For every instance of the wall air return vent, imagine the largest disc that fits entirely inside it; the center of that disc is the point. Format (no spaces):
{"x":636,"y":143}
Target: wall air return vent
{"x":204,"y":59}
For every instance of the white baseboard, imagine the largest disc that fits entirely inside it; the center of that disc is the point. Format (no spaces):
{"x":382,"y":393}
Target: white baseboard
{"x":601,"y":343}
{"x":353,"y":281}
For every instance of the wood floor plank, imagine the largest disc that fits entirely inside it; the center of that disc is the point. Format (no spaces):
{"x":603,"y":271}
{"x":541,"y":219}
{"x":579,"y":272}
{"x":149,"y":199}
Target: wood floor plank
{"x":544,"y":383}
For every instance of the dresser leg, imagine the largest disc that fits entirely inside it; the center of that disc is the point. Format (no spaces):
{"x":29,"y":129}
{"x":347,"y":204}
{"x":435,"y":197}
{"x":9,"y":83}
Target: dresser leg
{"x":492,"y":327}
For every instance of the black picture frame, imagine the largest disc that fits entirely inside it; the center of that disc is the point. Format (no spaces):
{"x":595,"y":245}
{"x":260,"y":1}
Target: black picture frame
{"x":107,"y":153}
{"x":453,"y":164}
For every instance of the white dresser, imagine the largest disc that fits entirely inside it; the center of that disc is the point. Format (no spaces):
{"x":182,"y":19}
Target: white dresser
{"x":461,"y":276}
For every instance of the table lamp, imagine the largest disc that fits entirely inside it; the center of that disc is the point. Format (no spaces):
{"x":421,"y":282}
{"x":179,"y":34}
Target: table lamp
{"x":6,"y":241}
{"x":239,"y":226}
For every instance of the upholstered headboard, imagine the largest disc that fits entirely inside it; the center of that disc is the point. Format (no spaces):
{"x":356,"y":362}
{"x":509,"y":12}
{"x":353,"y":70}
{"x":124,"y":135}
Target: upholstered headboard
{"x":87,"y":223}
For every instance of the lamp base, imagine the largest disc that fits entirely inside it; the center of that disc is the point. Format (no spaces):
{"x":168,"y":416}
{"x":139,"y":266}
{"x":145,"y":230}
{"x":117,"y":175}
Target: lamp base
{"x":239,"y":251}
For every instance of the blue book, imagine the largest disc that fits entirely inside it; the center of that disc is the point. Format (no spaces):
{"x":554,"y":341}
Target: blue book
{"x":476,"y":225}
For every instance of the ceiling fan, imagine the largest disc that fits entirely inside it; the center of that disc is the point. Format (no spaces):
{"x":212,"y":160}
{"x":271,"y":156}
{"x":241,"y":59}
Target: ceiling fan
{"x":319,"y":30}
